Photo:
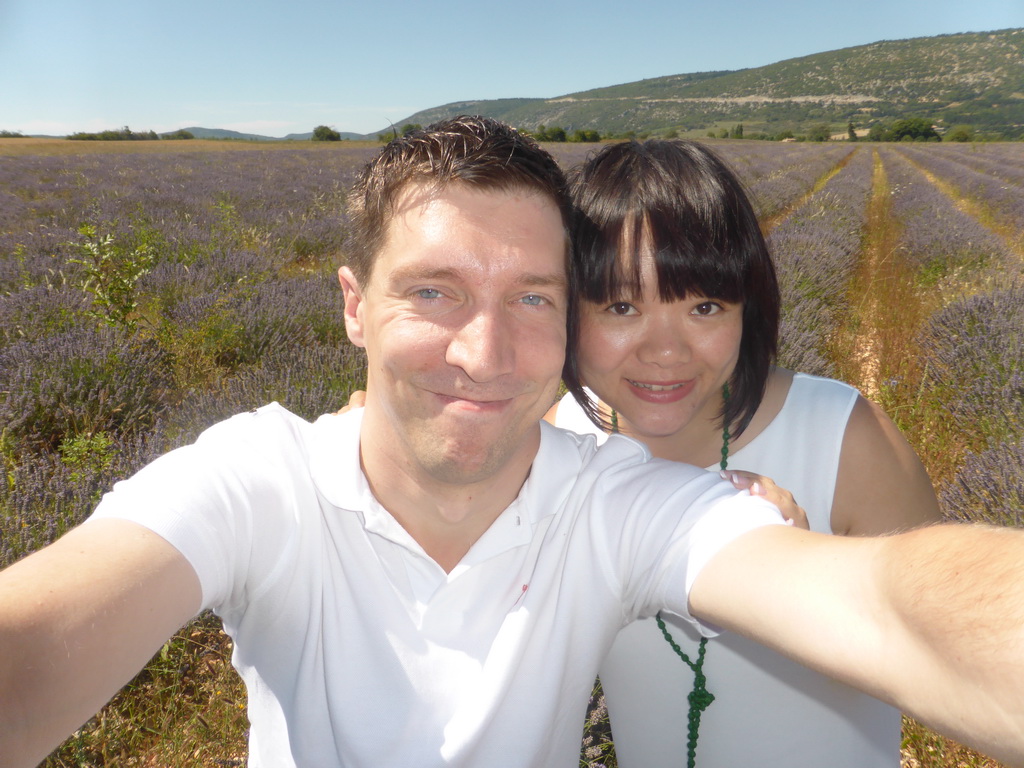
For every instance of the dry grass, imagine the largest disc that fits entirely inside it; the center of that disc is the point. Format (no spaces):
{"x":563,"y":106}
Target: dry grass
{"x":187,"y":708}
{"x":876,"y":351}
{"x":33,"y":146}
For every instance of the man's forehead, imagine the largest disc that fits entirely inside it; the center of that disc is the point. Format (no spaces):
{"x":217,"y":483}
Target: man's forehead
{"x":420,"y":192}
{"x":436,"y":216}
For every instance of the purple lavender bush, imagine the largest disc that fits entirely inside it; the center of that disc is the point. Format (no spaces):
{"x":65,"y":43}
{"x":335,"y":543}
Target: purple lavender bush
{"x":235,"y":304}
{"x":989,"y":488}
{"x":81,"y":382}
{"x":975,"y":356}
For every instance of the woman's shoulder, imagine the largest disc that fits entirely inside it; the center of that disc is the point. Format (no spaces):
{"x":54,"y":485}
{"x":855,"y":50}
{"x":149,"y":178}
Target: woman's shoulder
{"x":804,"y":392}
{"x":794,"y":399}
{"x":823,"y":384}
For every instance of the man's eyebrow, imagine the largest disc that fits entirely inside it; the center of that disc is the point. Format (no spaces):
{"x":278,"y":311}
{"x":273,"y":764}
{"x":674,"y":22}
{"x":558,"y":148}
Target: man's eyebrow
{"x":402,"y":274}
{"x":549,"y":280}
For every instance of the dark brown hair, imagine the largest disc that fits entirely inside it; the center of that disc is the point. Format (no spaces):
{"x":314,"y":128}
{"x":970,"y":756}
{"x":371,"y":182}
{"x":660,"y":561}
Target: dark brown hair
{"x":684,"y":203}
{"x":475,"y":151}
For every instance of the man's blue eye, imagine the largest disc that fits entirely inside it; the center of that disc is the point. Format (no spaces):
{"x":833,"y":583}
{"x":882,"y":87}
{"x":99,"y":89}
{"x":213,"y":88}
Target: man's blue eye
{"x":428,"y":293}
{"x":533,"y":300}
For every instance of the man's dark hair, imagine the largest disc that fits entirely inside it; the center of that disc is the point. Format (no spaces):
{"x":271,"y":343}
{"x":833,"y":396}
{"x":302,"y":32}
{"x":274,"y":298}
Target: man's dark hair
{"x":683,"y":203}
{"x":477,"y":152}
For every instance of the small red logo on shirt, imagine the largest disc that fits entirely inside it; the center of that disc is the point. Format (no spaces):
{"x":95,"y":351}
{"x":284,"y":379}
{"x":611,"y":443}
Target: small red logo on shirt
{"x":521,"y":594}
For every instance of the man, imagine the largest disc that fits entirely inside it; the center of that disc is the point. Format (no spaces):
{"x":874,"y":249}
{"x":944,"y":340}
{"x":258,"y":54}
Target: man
{"x":433,"y":579}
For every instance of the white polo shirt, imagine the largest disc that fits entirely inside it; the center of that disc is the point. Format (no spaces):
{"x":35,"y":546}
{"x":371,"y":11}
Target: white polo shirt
{"x":357,"y":649}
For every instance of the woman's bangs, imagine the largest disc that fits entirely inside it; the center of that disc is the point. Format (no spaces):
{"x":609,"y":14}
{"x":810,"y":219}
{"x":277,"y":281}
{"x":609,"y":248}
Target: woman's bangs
{"x":692,"y":260}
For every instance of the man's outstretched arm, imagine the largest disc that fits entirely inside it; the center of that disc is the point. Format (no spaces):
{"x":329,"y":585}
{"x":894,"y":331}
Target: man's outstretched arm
{"x":78,"y":620}
{"x":931,"y":620}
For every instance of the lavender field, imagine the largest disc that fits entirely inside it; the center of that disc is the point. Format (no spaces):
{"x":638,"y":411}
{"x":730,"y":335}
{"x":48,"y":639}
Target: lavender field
{"x":145,"y":295}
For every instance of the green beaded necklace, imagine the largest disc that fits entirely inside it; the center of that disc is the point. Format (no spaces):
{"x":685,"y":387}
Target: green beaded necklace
{"x":700,"y":697}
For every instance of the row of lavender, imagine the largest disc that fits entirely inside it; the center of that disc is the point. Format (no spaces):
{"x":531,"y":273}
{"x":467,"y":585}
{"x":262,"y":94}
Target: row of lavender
{"x":816,"y":249}
{"x":937,"y":237}
{"x":974,"y":346}
{"x":144,"y":296}
{"x":777,"y":177}
{"x":992,"y":174}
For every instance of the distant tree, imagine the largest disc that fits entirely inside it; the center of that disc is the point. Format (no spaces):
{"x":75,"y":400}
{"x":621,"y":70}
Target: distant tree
{"x":724,"y":133}
{"x":876,"y":132}
{"x":410,"y":127}
{"x":585,"y":135}
{"x":916,"y":128}
{"x":783,"y":135}
{"x":325,"y":133}
{"x":179,"y":134}
{"x":711,"y":134}
{"x":554,"y":133}
{"x":960,"y":133}
{"x":737,"y":131}
{"x":671,"y":133}
{"x":820,"y":132}
{"x":851,"y":134}
{"x":11,"y":135}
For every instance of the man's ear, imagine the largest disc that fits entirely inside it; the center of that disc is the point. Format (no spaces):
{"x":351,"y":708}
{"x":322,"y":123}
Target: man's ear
{"x":353,"y":306}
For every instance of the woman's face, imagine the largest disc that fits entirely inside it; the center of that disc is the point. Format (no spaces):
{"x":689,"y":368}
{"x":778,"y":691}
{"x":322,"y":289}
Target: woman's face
{"x":660,"y":365}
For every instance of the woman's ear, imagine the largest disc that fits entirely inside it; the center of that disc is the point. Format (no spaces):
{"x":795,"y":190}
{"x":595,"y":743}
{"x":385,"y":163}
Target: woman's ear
{"x":353,"y":306}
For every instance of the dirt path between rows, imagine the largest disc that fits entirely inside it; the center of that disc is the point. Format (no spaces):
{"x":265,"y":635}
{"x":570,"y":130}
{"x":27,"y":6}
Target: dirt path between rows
{"x":879,"y":246}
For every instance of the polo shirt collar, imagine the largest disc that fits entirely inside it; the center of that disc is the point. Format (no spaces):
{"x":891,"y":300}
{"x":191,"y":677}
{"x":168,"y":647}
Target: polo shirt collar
{"x":336,"y":471}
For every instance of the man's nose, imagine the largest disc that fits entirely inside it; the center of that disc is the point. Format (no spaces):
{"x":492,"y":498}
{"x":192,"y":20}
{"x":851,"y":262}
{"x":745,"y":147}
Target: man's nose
{"x":483,"y":347}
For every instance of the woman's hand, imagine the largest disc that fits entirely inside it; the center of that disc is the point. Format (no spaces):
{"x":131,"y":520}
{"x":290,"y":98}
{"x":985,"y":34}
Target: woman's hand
{"x":356,"y":400}
{"x":759,"y":485}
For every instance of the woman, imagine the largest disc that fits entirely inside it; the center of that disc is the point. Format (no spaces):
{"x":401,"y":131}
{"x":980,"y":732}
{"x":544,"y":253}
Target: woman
{"x":679,"y":318}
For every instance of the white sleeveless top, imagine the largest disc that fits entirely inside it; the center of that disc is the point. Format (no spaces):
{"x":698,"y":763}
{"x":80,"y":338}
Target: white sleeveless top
{"x":768,"y":711}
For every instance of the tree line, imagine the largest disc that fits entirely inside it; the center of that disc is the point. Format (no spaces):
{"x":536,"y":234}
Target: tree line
{"x":907,"y":129}
{"x":127,"y":134}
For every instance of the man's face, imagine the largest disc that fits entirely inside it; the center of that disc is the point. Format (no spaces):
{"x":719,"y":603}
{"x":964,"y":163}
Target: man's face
{"x":463,"y":321}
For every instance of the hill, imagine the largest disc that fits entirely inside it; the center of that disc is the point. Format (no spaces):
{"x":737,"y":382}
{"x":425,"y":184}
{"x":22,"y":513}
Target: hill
{"x":974,"y":78}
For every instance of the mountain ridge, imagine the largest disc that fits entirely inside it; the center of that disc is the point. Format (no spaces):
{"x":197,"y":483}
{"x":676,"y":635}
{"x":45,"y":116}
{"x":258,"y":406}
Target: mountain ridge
{"x":972,"y":77}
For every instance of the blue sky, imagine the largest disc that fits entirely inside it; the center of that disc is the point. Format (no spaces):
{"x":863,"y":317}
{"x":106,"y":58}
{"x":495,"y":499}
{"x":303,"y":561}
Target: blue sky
{"x":275,"y":67}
